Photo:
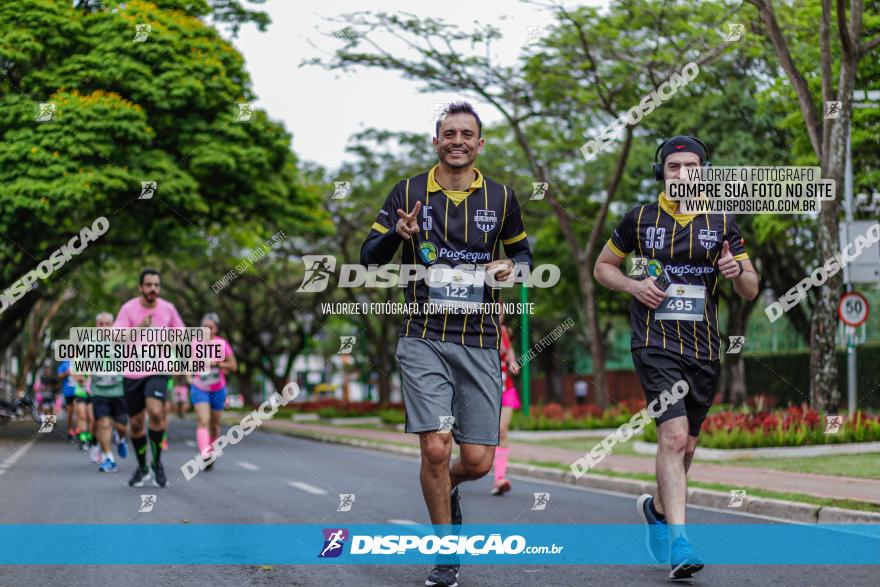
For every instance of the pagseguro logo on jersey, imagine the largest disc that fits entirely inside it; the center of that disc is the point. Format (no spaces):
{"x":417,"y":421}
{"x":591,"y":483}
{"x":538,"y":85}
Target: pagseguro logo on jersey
{"x":465,"y":255}
{"x":428,"y":252}
{"x":698,"y":270}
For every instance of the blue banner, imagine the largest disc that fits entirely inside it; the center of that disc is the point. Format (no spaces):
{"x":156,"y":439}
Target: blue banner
{"x":248,"y":544}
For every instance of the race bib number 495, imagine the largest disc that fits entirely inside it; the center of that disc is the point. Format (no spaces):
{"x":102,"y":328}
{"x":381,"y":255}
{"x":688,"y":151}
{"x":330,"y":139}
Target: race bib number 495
{"x":682,"y":302}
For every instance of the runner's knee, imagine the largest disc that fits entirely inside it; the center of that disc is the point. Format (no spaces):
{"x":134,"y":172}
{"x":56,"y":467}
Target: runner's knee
{"x":478,"y":469}
{"x":477,"y":464}
{"x":156,"y":410}
{"x":674,"y":440}
{"x":436,"y":449}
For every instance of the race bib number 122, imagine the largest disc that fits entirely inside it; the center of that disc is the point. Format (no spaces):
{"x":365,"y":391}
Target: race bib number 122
{"x":456,"y":288}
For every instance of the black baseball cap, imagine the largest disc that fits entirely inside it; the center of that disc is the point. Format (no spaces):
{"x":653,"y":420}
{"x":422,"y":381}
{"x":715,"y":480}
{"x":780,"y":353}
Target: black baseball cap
{"x":682,"y":144}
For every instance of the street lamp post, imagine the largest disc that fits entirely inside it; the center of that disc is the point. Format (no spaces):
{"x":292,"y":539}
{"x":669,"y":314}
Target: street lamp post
{"x":861,"y":99}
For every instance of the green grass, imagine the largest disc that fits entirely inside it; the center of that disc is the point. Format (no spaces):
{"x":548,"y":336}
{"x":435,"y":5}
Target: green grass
{"x":866,"y":466}
{"x":343,"y":439}
{"x":753,"y":491}
{"x":583,"y":445}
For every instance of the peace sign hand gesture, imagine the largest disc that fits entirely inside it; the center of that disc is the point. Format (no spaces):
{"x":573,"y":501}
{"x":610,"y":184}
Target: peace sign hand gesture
{"x":408,"y":224}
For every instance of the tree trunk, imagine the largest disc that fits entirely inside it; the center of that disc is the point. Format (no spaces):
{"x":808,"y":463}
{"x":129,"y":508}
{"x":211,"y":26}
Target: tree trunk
{"x":831,"y":152}
{"x":548,"y":363}
{"x":824,"y":391}
{"x":14,"y":318}
{"x":587,"y":258}
{"x":30,"y":348}
{"x":39,"y":324}
{"x":246,"y":386}
{"x":278,"y":382}
{"x":733,"y":382}
{"x":385,"y":365}
{"x":597,"y":341}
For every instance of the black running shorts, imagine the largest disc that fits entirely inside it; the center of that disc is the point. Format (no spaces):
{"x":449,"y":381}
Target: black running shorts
{"x":660,"y":369}
{"x":137,"y":390}
{"x":110,"y":407}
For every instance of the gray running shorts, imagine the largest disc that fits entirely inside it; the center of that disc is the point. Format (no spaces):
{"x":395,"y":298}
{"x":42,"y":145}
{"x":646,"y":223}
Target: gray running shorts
{"x":453,"y":387}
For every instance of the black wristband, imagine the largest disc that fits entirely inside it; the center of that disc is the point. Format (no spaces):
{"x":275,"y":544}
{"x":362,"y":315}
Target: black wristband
{"x":741,"y":268}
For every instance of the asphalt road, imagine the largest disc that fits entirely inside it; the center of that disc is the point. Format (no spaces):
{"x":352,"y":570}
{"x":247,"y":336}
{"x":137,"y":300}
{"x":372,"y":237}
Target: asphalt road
{"x":275,"y":479}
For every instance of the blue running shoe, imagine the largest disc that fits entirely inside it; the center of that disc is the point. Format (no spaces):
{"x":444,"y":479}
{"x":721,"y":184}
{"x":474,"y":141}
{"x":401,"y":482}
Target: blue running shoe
{"x":107,"y":466}
{"x":122,"y":448}
{"x":657,"y":534}
{"x":684,"y":561}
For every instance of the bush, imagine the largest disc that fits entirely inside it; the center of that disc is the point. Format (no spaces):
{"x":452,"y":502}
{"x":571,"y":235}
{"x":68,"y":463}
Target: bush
{"x":588,"y":417}
{"x":553,"y":411}
{"x":785,"y":376}
{"x":795,"y":426}
{"x":586,"y":410}
{"x":392,"y":416}
{"x":335,"y":408}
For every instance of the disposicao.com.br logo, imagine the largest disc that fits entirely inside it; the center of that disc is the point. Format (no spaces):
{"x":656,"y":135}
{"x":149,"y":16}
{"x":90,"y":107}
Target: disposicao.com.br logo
{"x":334,"y":540}
{"x":321,"y":269}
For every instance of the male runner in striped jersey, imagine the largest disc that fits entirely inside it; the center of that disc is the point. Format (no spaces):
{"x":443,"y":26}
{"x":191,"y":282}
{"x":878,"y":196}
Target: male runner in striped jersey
{"x":455,"y":216}
{"x":675,"y":333}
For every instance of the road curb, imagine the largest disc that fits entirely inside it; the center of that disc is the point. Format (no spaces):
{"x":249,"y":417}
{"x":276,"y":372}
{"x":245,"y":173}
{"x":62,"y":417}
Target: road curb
{"x":776,"y":508}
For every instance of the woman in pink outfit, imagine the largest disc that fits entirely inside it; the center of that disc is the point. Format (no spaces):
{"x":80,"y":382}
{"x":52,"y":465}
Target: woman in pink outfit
{"x":208,"y":392}
{"x":509,"y":403}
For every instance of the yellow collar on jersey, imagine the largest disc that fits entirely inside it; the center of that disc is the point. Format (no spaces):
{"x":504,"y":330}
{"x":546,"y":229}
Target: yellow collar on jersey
{"x":669,"y":206}
{"x":456,"y":196}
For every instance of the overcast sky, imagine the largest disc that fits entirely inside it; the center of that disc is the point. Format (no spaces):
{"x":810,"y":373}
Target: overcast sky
{"x":323,"y":109}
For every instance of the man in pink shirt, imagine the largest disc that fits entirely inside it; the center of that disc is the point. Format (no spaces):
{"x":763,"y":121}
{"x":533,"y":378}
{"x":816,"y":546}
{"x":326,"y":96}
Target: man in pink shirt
{"x":146,"y":391}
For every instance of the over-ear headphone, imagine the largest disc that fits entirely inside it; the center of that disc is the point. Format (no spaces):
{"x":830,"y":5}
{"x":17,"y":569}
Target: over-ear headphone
{"x":658,"y":166}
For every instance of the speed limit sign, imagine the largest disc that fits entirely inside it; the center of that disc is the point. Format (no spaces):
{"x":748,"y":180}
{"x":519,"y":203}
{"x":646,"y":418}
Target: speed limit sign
{"x":853,"y":309}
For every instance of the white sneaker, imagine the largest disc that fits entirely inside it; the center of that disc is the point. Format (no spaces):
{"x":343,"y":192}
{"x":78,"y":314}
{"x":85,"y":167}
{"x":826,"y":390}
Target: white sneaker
{"x":95,"y":453}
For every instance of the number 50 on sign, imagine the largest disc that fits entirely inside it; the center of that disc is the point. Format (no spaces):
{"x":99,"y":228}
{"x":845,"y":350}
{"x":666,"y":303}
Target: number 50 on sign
{"x":853,"y":309}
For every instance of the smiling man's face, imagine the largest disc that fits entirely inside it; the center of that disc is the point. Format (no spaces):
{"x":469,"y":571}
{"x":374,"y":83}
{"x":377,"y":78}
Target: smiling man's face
{"x":458,"y":143}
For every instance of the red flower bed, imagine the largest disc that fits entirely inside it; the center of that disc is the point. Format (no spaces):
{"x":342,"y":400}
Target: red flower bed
{"x":586,"y":410}
{"x":553,"y":411}
{"x":792,"y":417}
{"x":794,"y":426}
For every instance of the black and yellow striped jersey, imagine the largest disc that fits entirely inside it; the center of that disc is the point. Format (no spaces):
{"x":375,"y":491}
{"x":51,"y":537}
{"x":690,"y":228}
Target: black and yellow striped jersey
{"x":688,"y":247}
{"x":455,"y":228}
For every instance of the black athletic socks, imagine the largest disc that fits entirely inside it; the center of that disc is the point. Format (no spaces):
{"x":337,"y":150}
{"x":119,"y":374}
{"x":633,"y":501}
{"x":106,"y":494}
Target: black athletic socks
{"x":156,"y":445}
{"x":140,"y":449}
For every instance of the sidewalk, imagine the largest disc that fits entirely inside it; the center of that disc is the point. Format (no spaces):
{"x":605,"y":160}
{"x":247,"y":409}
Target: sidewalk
{"x":825,"y":486}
